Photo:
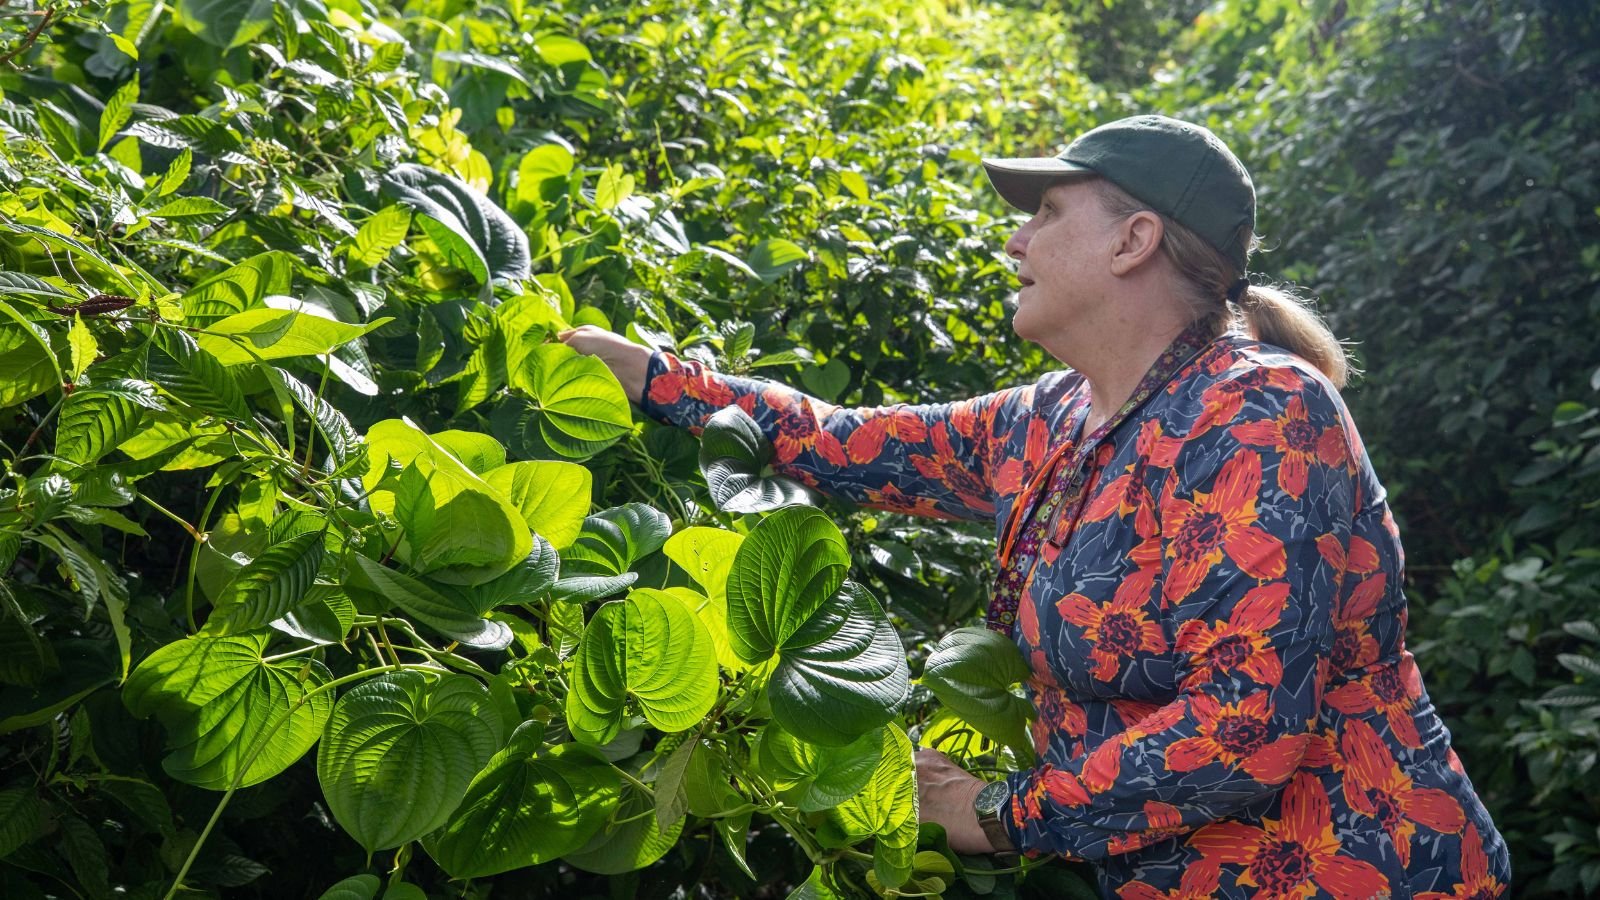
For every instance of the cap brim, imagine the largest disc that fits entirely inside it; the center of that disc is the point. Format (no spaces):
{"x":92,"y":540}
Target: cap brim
{"x":1022,"y":182}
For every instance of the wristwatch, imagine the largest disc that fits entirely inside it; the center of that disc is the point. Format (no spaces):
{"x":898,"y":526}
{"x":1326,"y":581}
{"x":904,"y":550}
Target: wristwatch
{"x":989,"y":804}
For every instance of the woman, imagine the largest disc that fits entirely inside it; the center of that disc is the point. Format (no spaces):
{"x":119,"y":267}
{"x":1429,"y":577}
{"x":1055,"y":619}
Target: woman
{"x":1195,"y":553}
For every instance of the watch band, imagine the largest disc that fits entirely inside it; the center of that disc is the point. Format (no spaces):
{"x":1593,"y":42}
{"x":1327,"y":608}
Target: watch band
{"x":992,"y":801}
{"x":995,"y":830}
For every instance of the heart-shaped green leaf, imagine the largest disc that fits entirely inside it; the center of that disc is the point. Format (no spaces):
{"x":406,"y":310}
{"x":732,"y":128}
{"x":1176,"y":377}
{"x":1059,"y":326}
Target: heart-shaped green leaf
{"x":231,"y":716}
{"x":473,"y":233}
{"x":791,"y":563}
{"x":636,"y":841}
{"x":526,"y":808}
{"x":842,"y":674}
{"x":734,"y":456}
{"x":972,"y":671}
{"x":553,"y":496}
{"x":399,"y":751}
{"x":815,"y":777}
{"x":649,"y":647}
{"x":611,"y":542}
{"x":886,"y":809}
{"x":579,"y":407}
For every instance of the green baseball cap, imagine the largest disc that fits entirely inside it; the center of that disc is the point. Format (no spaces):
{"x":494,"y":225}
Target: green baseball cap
{"x":1180,"y":169}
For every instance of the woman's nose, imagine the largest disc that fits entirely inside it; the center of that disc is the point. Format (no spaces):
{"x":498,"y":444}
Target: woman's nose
{"x":1017,"y":244}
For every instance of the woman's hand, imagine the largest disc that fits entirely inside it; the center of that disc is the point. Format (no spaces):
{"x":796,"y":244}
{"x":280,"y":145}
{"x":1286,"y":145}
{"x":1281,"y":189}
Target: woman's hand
{"x":626,"y":360}
{"x":945,"y":794}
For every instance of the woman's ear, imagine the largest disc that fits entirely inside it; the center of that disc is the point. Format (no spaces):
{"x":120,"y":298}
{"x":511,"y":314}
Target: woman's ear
{"x":1138,"y":240}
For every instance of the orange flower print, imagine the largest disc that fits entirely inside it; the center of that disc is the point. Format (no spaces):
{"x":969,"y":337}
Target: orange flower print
{"x":1298,"y":442}
{"x":1013,"y":474}
{"x":1294,"y":857}
{"x":1099,"y":774}
{"x":797,"y":428}
{"x":1056,"y":713}
{"x":944,"y":468}
{"x":1353,"y":645}
{"x":1221,"y":523}
{"x":1235,"y":734}
{"x":1199,"y":883}
{"x":1375,"y":787}
{"x":696,"y":383}
{"x":1392,"y":690}
{"x":1476,"y":882}
{"x":892,"y":500}
{"x":865,"y":444}
{"x":1141,"y":719}
{"x":1118,"y":629}
{"x":1224,"y":399}
{"x":1239,"y":644}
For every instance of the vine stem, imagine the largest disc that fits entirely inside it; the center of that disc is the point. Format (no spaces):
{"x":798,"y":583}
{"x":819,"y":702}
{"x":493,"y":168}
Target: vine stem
{"x":198,"y":537}
{"x":259,"y":745}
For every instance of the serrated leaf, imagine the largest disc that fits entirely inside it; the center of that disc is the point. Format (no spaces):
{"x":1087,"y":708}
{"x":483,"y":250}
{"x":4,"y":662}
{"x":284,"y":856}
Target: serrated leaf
{"x":1583,"y":665}
{"x":95,"y":420}
{"x":177,"y":173}
{"x":238,"y":288}
{"x":399,"y":751}
{"x":117,"y":111}
{"x":82,"y":345}
{"x":191,"y":208}
{"x":193,"y":375}
{"x":231,"y":717}
{"x":384,"y":231}
{"x":526,"y":807}
{"x":343,"y":440}
{"x":270,"y":586}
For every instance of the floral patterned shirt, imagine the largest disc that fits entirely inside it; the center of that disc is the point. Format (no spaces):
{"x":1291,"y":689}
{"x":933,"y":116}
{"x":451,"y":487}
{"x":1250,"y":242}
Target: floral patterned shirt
{"x":1208,"y":589}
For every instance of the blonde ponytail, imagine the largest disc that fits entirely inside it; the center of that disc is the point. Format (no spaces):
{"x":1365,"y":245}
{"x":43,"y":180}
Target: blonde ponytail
{"x":1274,"y":315}
{"x":1278,"y":316}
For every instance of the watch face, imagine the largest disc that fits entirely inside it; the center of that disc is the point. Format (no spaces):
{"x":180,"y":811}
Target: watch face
{"x":991,"y":798}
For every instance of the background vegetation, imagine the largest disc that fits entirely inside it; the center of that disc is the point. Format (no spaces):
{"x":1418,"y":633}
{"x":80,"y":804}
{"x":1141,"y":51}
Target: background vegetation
{"x":789,"y":190}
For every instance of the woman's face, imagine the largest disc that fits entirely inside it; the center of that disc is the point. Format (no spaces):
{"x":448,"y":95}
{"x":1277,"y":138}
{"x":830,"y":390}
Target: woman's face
{"x":1062,"y":254}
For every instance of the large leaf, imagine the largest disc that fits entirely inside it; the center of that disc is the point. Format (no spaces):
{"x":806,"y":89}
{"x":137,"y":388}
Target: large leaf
{"x":886,"y":809}
{"x":841,"y":675}
{"x":458,"y":528}
{"x":399,"y":752}
{"x":195,"y":376}
{"x":553,"y":496}
{"x":579,"y":407}
{"x":815,"y":777}
{"x":270,"y":586}
{"x":239,"y":287}
{"x":611,"y":542}
{"x":636,"y":841}
{"x":96,"y":419}
{"x":972,"y":671}
{"x":734,"y":456}
{"x":473,"y":233}
{"x":649,"y":647}
{"x":452,"y":613}
{"x":525,"y":808}
{"x":222,"y":703}
{"x":26,"y":368}
{"x":789,"y":566}
{"x":288,"y":330}
{"x":226,"y":23}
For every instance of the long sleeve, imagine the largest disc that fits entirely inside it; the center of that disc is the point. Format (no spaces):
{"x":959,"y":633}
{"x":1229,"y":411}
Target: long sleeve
{"x":936,"y":460}
{"x":1241,"y":602}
